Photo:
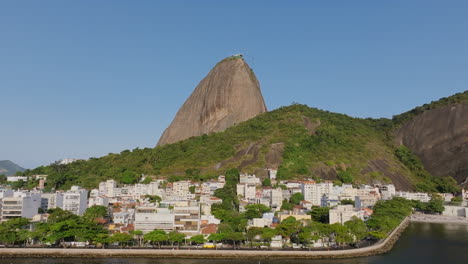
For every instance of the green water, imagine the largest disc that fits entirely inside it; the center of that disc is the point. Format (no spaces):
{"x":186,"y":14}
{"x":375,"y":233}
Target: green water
{"x":420,"y":244}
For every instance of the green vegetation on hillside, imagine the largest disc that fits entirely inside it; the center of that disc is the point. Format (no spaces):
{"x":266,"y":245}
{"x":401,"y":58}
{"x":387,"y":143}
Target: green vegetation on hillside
{"x":428,"y":183}
{"x":314,"y":144}
{"x":454,"y":99}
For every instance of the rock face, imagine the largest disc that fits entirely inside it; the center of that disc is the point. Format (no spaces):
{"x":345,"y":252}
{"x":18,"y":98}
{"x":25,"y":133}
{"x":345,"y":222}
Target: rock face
{"x":439,"y":137}
{"x":228,"y":95}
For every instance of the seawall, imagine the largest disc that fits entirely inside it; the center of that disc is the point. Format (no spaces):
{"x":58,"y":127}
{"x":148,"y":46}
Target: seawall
{"x":378,"y":248}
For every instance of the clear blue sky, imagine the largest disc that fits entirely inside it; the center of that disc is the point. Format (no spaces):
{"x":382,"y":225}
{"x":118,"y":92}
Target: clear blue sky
{"x":85,"y":78}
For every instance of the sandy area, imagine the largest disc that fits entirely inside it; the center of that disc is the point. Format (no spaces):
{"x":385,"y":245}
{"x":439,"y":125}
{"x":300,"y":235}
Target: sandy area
{"x":425,"y":218}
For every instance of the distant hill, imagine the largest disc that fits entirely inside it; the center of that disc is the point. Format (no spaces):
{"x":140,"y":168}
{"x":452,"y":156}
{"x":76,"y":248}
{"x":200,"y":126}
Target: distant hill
{"x":9,"y":168}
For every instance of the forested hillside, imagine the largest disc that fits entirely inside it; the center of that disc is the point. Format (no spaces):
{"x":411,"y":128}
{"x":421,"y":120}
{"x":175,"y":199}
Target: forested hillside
{"x":300,"y":141}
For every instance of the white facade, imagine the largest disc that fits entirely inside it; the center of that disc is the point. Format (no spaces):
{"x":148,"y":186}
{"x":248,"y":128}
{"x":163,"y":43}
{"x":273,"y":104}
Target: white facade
{"x":180,"y":189}
{"x":98,"y":200}
{"x":313,"y":191}
{"x":123,"y":218}
{"x":344,"y":213}
{"x":21,"y":204}
{"x":276,"y":198}
{"x":107,"y":188}
{"x":246,"y":191}
{"x":75,"y":200}
{"x":149,"y":218}
{"x":51,"y":200}
{"x":249,"y":179}
{"x":17,"y":178}
{"x":423,"y":197}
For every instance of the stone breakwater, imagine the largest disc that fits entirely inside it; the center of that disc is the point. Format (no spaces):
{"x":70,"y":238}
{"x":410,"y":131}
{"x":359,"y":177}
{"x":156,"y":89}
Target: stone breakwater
{"x":378,"y":248}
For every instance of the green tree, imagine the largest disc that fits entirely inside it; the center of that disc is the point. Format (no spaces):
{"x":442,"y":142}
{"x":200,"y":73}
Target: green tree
{"x":256,"y":210}
{"x":306,"y":236}
{"x":252,"y":233}
{"x":345,"y":176}
{"x":289,"y":227}
{"x":18,"y":184}
{"x":266,"y":182}
{"x":197,"y":239}
{"x":153,"y":198}
{"x":11,"y":231}
{"x":192,"y":189}
{"x":156,"y":236}
{"x":347,"y":201}
{"x":121,"y":238}
{"x":268,"y":233}
{"x":341,"y":234}
{"x":96,"y":211}
{"x":320,"y":214}
{"x":287,"y":205}
{"x":216,"y":237}
{"x":435,"y":205}
{"x":176,"y":237}
{"x":297,"y":198}
{"x":138,"y":235}
{"x":357,"y":227}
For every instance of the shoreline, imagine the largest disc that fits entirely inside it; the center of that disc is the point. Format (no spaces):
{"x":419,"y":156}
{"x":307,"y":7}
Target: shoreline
{"x":378,"y":248}
{"x":438,"y":219}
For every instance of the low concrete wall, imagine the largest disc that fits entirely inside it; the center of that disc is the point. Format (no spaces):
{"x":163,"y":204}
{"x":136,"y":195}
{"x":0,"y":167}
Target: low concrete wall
{"x":381,"y":247}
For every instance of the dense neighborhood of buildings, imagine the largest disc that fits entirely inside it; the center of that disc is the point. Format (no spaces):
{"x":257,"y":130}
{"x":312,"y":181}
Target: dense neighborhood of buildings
{"x":185,"y":206}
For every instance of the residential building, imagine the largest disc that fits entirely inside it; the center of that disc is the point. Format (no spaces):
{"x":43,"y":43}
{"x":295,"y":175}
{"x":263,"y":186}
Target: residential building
{"x":149,"y":218}
{"x":344,"y":213}
{"x":51,"y":200}
{"x":75,"y":200}
{"x":187,"y":219}
{"x":21,"y":204}
{"x":17,"y":178}
{"x":418,"y":196}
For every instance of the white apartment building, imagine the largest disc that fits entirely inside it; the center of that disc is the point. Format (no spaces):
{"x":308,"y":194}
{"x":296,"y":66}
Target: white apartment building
{"x":51,"y":200}
{"x":98,"y":200}
{"x":21,"y":204}
{"x":344,"y":213}
{"x":187,"y":219}
{"x":206,"y":201}
{"x":123,"y":218}
{"x":180,"y":190}
{"x":155,"y":188}
{"x":329,"y":200}
{"x":418,"y":196}
{"x":313,"y":191}
{"x":367,"y":201}
{"x":249,"y":179}
{"x":107,"y":188}
{"x":276,"y":198}
{"x":17,"y":178}
{"x":148,"y":218}
{"x":246,"y":191}
{"x":75,"y":200}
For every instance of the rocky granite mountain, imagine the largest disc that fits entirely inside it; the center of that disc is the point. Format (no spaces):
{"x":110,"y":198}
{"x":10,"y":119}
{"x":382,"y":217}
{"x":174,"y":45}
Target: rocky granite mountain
{"x":224,"y":125}
{"x":438,"y":135}
{"x":228,"y":95}
{"x":7,"y":167}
